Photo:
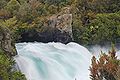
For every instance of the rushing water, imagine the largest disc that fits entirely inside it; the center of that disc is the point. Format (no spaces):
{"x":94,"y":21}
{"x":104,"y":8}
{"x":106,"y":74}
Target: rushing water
{"x":96,"y":50}
{"x":53,"y":61}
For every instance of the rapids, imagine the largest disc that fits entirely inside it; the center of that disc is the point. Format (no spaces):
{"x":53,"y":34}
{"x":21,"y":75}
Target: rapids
{"x":53,"y":61}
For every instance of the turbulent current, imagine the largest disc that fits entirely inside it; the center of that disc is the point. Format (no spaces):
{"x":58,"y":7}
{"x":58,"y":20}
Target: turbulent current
{"x":53,"y":61}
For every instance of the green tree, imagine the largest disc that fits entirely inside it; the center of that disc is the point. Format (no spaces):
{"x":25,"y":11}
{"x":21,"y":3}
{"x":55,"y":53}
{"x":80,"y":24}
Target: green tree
{"x":24,"y":13}
{"x":3,"y":3}
{"x":13,"y":7}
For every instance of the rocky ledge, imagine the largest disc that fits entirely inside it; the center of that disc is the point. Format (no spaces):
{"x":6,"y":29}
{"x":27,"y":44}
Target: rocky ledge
{"x":58,"y":29}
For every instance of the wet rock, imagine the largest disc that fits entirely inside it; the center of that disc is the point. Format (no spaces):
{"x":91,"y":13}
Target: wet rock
{"x":53,"y":35}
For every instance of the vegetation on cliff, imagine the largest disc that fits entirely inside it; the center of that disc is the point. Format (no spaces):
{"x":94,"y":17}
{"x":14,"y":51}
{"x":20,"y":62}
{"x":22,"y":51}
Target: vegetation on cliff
{"x":106,"y":67}
{"x":7,"y":51}
{"x":94,"y":22}
{"x":7,"y":72}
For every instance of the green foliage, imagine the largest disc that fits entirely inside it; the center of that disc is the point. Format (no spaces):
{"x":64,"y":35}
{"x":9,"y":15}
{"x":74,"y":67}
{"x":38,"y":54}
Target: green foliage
{"x":94,"y":22}
{"x":6,"y":66}
{"x":105,"y":6}
{"x":103,"y":28}
{"x":12,"y":6}
{"x":3,"y":3}
{"x":107,"y":27}
{"x":18,"y":76}
{"x":24,"y":12}
{"x":10,"y":23}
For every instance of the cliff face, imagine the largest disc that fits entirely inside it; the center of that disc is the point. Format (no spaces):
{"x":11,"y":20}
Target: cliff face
{"x":6,"y":41}
{"x":58,"y":28}
{"x":62,"y":21}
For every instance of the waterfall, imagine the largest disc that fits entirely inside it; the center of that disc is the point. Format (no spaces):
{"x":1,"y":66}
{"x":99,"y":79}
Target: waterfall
{"x":53,"y":61}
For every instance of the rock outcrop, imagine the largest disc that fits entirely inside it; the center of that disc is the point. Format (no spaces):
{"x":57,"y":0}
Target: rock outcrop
{"x":58,"y":28}
{"x":62,"y":21}
{"x":6,"y":41}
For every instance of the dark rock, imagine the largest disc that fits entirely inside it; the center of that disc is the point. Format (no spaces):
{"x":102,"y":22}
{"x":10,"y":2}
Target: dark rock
{"x":61,"y":37}
{"x":1,"y":78}
{"x":53,"y":35}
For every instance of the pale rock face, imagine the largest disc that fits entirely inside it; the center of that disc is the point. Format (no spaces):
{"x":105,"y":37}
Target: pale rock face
{"x":62,"y":21}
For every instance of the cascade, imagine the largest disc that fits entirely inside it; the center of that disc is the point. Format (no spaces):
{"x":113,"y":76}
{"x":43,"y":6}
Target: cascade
{"x":53,"y":61}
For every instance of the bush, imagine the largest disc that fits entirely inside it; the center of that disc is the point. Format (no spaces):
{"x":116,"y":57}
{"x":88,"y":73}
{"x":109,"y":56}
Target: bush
{"x":6,"y":66}
{"x":106,"y":67}
{"x":104,"y":28}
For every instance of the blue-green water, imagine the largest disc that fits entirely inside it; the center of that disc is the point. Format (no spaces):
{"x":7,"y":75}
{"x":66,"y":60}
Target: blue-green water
{"x":53,"y":61}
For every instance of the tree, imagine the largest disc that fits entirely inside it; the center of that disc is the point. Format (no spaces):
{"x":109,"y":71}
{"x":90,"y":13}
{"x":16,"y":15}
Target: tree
{"x":13,"y":7}
{"x":3,"y":3}
{"x":24,"y":13}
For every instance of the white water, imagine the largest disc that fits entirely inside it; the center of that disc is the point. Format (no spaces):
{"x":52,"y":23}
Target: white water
{"x":53,"y":61}
{"x":96,"y":50}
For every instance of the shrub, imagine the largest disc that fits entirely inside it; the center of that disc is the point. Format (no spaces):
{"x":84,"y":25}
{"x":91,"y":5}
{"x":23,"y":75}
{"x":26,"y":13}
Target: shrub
{"x":6,"y":66}
{"x":106,"y":67}
{"x":104,"y":28}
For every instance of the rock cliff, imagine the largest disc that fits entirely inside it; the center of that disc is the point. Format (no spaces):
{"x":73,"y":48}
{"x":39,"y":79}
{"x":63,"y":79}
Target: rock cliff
{"x":58,"y":28}
{"x":6,"y":41}
{"x":62,"y":21}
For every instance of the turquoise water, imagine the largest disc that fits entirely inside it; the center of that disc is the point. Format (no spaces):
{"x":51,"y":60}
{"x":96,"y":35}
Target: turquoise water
{"x":53,"y":61}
